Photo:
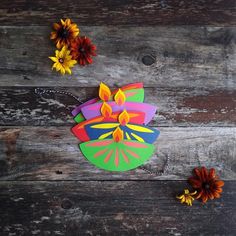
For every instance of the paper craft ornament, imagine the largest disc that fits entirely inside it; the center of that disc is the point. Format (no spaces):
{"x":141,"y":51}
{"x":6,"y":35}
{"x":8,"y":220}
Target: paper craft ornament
{"x":112,"y":128}
{"x":133,"y":93}
{"x":136,"y":117}
{"x":117,"y":154}
{"x":93,"y":110}
{"x":79,"y":118}
{"x":131,"y":131}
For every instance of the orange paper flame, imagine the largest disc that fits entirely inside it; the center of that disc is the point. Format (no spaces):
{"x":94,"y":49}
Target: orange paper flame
{"x":104,"y":92}
{"x":124,"y":118}
{"x":119,"y":97}
{"x":118,"y":135}
{"x":106,"y":110}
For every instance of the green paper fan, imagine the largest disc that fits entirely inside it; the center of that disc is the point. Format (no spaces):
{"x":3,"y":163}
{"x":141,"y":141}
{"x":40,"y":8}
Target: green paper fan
{"x":117,"y":156}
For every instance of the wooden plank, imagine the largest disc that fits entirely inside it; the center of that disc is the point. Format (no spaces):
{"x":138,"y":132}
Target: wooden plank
{"x":176,"y":107}
{"x":111,"y":208}
{"x":199,"y":57}
{"x":51,"y":153}
{"x":128,"y":12}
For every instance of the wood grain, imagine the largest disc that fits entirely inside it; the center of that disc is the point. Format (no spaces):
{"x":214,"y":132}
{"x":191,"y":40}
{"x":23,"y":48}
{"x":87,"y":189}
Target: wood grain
{"x":52,"y":153}
{"x":183,"y":57}
{"x":176,"y":107}
{"x":125,"y":12}
{"x":111,"y":208}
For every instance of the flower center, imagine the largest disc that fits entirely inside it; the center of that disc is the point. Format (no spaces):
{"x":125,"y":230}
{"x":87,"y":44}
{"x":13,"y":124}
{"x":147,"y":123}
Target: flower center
{"x":61,"y":60}
{"x":82,"y":49}
{"x":63,"y":33}
{"x":206,"y":185}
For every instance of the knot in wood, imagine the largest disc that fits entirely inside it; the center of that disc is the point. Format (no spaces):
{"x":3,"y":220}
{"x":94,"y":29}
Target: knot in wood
{"x":148,"y":60}
{"x":66,"y":203}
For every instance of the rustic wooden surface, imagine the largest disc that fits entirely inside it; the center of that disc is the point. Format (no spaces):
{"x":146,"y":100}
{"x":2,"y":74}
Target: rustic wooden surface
{"x":51,"y":153}
{"x":123,"y":12}
{"x":111,"y":208}
{"x":183,"y":51}
{"x":193,"y":56}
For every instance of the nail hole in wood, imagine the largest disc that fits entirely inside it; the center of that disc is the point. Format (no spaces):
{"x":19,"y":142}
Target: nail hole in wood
{"x":26,"y":77}
{"x":58,"y":172}
{"x":148,"y":60}
{"x":66,"y":204}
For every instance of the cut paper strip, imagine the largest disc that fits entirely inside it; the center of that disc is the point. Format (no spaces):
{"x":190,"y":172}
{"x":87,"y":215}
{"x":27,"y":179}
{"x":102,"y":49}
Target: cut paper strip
{"x":80,"y":132}
{"x":116,"y":156}
{"x":131,"y":132}
{"x":79,"y":118}
{"x":93,"y":110}
{"x":133,"y":93}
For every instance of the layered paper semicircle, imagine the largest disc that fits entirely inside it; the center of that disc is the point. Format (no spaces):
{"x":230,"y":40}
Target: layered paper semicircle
{"x":131,"y":131}
{"x":116,"y":156}
{"x":80,"y":132}
{"x":93,"y":110}
{"x":133,"y":92}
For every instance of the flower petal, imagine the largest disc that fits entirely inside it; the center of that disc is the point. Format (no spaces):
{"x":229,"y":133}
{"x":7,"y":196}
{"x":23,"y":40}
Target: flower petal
{"x":204,"y":198}
{"x":197,"y":173}
{"x":56,"y":26}
{"x":219,"y":183}
{"x":216,"y":195}
{"x":199,"y":194}
{"x":212,"y":173}
{"x":195,"y":182}
{"x":219,"y":190}
{"x":54,"y":59}
{"x":204,"y":174}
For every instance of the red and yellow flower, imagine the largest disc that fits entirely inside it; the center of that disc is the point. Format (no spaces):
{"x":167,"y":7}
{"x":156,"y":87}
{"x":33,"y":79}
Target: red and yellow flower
{"x":64,"y":32}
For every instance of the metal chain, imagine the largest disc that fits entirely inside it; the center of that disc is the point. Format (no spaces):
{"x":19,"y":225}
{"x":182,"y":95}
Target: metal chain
{"x":158,"y":172}
{"x":42,"y":91}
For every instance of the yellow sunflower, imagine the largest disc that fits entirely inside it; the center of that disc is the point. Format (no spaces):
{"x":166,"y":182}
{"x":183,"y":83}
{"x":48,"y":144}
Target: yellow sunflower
{"x":65,"y":32}
{"x":63,"y":61}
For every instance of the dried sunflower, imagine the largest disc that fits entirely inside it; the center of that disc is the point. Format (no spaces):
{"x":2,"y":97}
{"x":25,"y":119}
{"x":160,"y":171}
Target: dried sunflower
{"x":82,"y":50}
{"x":65,"y":32}
{"x":187,"y":197}
{"x":63,"y":61}
{"x":207,"y":184}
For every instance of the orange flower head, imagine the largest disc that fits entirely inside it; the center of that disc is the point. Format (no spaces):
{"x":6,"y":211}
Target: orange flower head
{"x":120,"y":97}
{"x":104,"y":92}
{"x":106,"y":110}
{"x":118,"y":135}
{"x":207,"y":184}
{"x":82,"y":50}
{"x":124,"y":118}
{"x":65,"y":32}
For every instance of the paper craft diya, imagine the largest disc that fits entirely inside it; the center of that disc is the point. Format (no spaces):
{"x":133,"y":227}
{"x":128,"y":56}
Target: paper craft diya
{"x":115,"y":139}
{"x":117,"y":154}
{"x":131,"y":131}
{"x":133,"y":93}
{"x":93,"y":110}
{"x":80,"y":132}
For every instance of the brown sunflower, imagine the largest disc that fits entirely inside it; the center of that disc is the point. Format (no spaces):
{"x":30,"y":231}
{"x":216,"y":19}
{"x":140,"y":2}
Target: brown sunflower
{"x":65,"y":32}
{"x":207,"y":184}
{"x":82,"y":50}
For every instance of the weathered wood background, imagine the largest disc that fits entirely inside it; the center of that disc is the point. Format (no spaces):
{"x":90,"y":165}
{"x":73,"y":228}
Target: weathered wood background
{"x":183,"y":51}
